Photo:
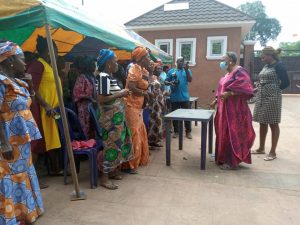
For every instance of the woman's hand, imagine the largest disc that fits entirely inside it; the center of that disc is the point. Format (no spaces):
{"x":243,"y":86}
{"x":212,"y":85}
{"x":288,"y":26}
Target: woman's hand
{"x":124,"y":93}
{"x":213,"y":104}
{"x":226,"y":94}
{"x":7,"y":151}
{"x":50,"y":112}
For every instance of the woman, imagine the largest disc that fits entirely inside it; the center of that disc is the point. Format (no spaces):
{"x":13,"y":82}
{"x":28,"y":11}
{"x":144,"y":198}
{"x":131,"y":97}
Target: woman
{"x":20,"y":197}
{"x":137,"y":82}
{"x":156,"y":107}
{"x":116,"y":136}
{"x":233,"y":120}
{"x":84,"y":94}
{"x":46,"y":101}
{"x":267,"y":111}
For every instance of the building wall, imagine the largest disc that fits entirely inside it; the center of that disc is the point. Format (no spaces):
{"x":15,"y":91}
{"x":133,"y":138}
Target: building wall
{"x":206,"y":73}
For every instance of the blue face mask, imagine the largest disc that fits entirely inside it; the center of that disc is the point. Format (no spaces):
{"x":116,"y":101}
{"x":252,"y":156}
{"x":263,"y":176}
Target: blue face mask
{"x":223,"y":65}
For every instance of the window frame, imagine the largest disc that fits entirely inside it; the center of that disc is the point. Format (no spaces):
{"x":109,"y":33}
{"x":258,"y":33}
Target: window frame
{"x":179,"y":41}
{"x":210,"y":40}
{"x":158,"y":42}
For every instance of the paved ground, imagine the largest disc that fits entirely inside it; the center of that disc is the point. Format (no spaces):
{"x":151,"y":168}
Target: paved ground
{"x":264,"y":193}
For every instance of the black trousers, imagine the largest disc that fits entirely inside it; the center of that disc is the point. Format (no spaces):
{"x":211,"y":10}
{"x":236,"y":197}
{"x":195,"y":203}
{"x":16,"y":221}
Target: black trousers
{"x":187,"y":124}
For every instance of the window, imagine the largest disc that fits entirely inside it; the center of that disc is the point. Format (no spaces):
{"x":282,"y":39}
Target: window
{"x":186,"y":47}
{"x":165,"y":44}
{"x":216,"y":47}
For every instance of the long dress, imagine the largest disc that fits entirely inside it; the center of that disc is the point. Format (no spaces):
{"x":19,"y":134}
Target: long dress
{"x":116,"y":135}
{"x":134,"y":117}
{"x":233,"y":121}
{"x":156,"y":106}
{"x":47,"y":89}
{"x":20,"y":197}
{"x":84,"y":86}
{"x":268,"y":103}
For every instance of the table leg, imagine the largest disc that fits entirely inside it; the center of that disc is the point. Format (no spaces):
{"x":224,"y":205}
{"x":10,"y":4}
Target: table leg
{"x":203,"y":145}
{"x":168,"y":142}
{"x":180,"y":124}
{"x":196,"y":107}
{"x":210,"y":135}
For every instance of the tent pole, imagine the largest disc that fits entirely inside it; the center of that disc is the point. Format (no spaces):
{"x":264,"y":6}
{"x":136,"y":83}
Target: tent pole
{"x":77,"y":195}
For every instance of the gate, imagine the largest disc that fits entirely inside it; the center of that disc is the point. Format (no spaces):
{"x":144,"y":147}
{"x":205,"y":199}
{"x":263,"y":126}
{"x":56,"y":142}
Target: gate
{"x":291,"y":61}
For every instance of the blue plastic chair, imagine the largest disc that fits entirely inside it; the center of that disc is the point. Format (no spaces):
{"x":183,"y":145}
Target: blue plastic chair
{"x":76,"y":133}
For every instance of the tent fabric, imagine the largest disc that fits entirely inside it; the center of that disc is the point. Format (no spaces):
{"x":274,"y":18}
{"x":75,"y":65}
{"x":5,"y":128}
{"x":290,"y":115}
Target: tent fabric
{"x":69,"y":27}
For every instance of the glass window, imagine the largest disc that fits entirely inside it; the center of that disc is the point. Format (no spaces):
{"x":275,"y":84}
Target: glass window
{"x":186,"y":47}
{"x":165,"y":44}
{"x":216,"y":47}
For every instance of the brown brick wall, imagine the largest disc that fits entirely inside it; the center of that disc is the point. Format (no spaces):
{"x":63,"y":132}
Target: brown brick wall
{"x":206,"y":73}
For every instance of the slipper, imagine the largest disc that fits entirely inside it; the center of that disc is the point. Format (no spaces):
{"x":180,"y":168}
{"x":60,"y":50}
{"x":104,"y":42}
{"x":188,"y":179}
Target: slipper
{"x":110,"y":186}
{"x":227,"y":167}
{"x":270,"y":157}
{"x":257,"y":152}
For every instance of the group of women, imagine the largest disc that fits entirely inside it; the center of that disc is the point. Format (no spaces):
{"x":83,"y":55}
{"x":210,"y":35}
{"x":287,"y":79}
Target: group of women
{"x":233,"y":121}
{"x":124,"y":136}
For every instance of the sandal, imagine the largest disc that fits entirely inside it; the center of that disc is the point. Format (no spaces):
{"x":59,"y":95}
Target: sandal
{"x":109,"y":186}
{"x":227,"y":167}
{"x":258,"y":152}
{"x":270,"y":157}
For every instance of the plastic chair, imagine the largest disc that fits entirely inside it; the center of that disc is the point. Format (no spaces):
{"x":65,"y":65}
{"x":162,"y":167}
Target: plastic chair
{"x":76,"y":133}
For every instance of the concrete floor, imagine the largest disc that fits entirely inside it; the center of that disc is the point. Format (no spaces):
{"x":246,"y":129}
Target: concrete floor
{"x":264,"y":193}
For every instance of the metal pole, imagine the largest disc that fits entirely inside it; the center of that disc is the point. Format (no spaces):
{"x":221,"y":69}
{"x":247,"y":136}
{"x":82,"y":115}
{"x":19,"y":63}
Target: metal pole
{"x":78,"y":195}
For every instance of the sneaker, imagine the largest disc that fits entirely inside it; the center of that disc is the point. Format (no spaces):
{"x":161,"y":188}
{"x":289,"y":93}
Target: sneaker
{"x":189,"y":135}
{"x":175,"y":135}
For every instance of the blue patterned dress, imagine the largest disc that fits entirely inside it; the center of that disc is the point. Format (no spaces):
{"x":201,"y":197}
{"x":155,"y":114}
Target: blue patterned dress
{"x":20,"y":197}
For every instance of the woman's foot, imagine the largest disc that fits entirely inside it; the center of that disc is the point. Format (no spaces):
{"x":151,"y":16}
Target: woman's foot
{"x":270,"y":157}
{"x":227,"y":167}
{"x":258,"y":151}
{"x":130,"y":171}
{"x":109,"y":185}
{"x":115,"y":175}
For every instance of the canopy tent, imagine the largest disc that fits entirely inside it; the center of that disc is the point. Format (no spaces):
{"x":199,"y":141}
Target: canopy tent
{"x":21,"y":21}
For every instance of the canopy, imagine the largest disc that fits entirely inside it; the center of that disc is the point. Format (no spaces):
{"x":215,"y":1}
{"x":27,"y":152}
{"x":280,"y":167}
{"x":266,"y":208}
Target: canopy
{"x":22,"y":20}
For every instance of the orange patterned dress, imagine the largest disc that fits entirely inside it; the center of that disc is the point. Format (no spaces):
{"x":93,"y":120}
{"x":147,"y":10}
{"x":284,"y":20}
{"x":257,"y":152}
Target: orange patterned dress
{"x":20,"y":197}
{"x":134,"y":117}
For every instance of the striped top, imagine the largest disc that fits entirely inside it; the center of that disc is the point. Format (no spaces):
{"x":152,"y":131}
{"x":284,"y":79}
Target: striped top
{"x":107,"y":85}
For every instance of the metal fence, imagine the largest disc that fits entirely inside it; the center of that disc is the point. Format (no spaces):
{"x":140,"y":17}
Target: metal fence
{"x":291,"y":60}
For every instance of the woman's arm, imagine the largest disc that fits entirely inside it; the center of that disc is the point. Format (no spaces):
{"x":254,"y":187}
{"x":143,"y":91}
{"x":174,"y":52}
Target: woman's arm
{"x":132,"y":86}
{"x":108,"y":98}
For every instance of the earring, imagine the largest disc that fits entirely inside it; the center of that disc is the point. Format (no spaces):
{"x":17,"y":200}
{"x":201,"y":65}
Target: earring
{"x":11,"y":65}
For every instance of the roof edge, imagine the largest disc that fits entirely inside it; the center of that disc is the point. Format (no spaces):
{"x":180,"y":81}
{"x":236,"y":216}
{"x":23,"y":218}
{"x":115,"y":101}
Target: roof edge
{"x":192,"y":26}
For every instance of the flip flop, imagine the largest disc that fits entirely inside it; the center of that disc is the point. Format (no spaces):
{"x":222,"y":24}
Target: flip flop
{"x":270,"y":158}
{"x":256,"y":152}
{"x":227,"y":167}
{"x":110,"y":186}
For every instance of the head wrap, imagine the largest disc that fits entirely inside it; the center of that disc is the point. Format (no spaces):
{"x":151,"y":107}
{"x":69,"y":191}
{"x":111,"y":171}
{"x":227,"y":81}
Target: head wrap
{"x":104,"y":56}
{"x":272,"y":52}
{"x":8,"y":49}
{"x":139,"y":52}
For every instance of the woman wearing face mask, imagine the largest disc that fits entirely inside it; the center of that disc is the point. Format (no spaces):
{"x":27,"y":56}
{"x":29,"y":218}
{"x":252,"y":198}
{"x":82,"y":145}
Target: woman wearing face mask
{"x":233,"y":120}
